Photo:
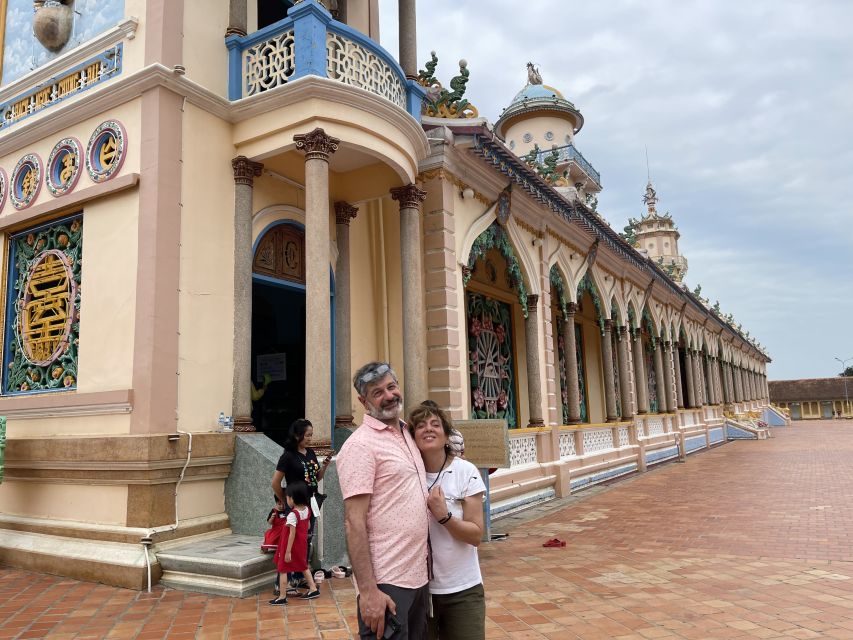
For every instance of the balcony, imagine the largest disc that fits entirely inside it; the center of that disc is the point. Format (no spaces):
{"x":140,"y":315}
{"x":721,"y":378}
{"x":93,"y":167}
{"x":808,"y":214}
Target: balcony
{"x":568,"y":153}
{"x":310,"y":42}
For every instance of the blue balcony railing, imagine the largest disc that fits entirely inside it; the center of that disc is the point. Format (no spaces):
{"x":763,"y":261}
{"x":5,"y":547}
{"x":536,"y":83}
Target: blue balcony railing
{"x":568,"y":153}
{"x":310,"y":42}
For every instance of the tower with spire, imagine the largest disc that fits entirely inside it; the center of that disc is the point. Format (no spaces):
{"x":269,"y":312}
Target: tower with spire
{"x":657,"y":236}
{"x":540,"y":126}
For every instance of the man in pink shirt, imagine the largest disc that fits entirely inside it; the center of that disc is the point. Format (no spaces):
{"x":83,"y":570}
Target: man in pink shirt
{"x":384,"y":488}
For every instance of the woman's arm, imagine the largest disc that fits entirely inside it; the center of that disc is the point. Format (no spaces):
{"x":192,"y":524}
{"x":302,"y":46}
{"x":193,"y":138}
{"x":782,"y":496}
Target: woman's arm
{"x":469,"y":528}
{"x":325,"y":466}
{"x":277,"y":477}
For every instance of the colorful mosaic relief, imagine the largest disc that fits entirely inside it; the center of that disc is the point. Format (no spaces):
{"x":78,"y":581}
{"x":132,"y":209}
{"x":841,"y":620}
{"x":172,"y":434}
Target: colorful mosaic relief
{"x":495,"y":238}
{"x":649,"y":361}
{"x":491,"y":359}
{"x":43,"y":308}
{"x":564,"y":385}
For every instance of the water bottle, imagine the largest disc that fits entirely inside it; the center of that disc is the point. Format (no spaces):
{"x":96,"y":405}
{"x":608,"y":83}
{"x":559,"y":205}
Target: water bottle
{"x":229,"y":424}
{"x":221,"y":421}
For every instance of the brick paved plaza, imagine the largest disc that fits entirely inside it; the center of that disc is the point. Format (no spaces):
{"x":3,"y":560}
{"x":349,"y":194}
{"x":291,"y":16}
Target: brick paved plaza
{"x":750,"y":540}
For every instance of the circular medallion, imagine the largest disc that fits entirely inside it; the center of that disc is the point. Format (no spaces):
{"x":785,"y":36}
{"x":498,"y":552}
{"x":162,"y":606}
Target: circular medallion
{"x":4,"y":188}
{"x":106,"y":150}
{"x":63,"y":166}
{"x":568,"y":139}
{"x":47,"y":309}
{"x":26,"y":181}
{"x":512,"y":144}
{"x":527,"y":137}
{"x":549,"y":135}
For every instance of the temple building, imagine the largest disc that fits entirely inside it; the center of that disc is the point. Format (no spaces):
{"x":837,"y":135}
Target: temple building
{"x":814,"y":398}
{"x":223,"y":207}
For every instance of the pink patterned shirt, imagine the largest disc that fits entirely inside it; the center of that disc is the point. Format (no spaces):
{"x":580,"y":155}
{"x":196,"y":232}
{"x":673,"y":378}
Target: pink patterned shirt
{"x":384,"y":462}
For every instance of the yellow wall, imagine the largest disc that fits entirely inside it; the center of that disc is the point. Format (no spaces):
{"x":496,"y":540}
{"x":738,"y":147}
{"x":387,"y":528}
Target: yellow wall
{"x":76,"y":502}
{"x":206,"y":303}
{"x":205,"y":54}
{"x":203,"y":498}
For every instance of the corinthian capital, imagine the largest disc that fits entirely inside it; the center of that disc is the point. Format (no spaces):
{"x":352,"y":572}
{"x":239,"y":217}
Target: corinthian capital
{"x":409,"y":196}
{"x":344,"y":211}
{"x":316,"y":145}
{"x":532,"y":302}
{"x":245,"y":170}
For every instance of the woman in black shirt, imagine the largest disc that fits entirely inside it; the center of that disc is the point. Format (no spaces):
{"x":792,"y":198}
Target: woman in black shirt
{"x":298,"y":463}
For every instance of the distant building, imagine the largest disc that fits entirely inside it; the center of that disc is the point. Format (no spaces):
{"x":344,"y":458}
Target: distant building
{"x":814,"y":398}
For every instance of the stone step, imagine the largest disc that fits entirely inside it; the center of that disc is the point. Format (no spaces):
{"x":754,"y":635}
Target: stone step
{"x":226,"y":565}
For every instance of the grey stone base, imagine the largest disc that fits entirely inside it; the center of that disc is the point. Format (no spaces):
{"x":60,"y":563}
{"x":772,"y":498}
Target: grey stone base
{"x":229,"y":565}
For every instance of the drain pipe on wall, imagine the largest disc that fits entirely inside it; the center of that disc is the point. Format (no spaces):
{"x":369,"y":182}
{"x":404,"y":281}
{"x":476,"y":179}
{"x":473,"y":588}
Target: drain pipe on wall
{"x":148,"y":540}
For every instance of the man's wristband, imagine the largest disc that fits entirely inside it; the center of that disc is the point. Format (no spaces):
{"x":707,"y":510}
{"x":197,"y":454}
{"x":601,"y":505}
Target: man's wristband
{"x":446,"y":518}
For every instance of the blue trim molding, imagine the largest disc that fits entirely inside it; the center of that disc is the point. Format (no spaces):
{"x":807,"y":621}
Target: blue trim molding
{"x":601,"y":476}
{"x":69,"y":83}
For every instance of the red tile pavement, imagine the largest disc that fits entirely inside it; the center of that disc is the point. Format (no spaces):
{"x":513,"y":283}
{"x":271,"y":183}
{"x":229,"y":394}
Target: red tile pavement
{"x":750,"y":540}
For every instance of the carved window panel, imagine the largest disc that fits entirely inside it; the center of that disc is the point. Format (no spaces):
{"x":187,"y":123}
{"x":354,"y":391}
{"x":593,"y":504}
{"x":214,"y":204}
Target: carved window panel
{"x":281,"y":254}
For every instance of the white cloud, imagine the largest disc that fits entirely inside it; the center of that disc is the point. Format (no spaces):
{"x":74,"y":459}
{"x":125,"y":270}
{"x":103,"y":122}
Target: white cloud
{"x":745,"y":108}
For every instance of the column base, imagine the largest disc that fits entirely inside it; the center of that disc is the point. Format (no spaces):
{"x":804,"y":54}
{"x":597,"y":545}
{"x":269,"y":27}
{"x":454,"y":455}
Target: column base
{"x":574,"y":420}
{"x":343,"y":422}
{"x":244,"y":424}
{"x":536,"y":423}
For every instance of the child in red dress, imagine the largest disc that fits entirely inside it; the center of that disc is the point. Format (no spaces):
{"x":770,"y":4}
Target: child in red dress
{"x":292,"y":551}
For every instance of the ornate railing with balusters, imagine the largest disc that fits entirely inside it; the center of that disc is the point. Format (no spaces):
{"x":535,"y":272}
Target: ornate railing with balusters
{"x":568,"y":152}
{"x":310,"y":42}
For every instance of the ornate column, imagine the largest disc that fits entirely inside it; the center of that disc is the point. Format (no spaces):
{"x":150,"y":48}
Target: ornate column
{"x":641,"y":383}
{"x":709,"y":379}
{"x":534,"y":379}
{"x":689,"y":376}
{"x":676,"y":363}
{"x":698,"y":386}
{"x":607,"y":363}
{"x":344,"y":212}
{"x":317,"y":146}
{"x":414,"y":313}
{"x":570,"y":354}
{"x":738,"y":386}
{"x":237,"y":18}
{"x":408,"y":37}
{"x":245,"y":172}
{"x":661,"y":378}
{"x":624,"y":374}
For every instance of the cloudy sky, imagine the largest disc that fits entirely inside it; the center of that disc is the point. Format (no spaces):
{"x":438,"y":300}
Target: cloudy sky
{"x":747,"y":112}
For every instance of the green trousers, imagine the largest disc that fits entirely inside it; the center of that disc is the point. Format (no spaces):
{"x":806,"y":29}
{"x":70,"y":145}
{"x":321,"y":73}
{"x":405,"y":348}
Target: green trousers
{"x":458,"y":616}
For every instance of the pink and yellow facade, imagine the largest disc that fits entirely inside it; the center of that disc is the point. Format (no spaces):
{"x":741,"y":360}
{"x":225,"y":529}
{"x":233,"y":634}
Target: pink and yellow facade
{"x":200,"y":199}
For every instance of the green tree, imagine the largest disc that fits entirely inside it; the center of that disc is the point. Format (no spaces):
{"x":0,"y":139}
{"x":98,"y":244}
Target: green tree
{"x":848,"y":372}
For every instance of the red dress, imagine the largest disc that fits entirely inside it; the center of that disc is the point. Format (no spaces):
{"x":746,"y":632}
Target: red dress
{"x":299,"y":551}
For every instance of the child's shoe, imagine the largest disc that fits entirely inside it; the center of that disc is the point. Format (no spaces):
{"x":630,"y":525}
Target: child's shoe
{"x":311,"y":595}
{"x":278,"y":601}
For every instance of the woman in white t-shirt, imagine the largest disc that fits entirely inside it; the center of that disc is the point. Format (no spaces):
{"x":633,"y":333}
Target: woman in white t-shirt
{"x":455,"y":503}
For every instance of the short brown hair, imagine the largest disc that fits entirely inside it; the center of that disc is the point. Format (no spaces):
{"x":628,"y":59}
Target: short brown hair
{"x":422,"y":412}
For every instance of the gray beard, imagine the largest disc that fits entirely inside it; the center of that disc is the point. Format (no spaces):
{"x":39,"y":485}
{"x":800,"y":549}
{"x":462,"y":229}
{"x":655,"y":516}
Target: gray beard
{"x":385,"y":414}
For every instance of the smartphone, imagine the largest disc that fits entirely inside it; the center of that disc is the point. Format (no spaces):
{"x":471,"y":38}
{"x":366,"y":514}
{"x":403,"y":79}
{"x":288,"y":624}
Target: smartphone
{"x":392,"y":625}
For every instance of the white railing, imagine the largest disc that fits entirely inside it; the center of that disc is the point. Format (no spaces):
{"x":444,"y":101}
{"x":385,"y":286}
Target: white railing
{"x":355,"y":65}
{"x":522,"y":450}
{"x":597,"y":440}
{"x":624,"y":438}
{"x":687,"y":419}
{"x":567,"y":444}
{"x":270,"y":63}
{"x":654,"y":425}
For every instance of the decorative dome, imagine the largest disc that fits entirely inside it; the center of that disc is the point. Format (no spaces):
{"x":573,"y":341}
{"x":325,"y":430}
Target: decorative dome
{"x":538,"y":99}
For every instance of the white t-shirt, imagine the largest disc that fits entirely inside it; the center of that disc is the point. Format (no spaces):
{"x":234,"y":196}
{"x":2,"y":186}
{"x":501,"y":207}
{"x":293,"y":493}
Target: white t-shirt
{"x":292,"y":520}
{"x":455,"y":565}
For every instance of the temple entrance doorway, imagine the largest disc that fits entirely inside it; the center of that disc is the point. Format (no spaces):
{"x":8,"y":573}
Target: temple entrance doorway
{"x":278,"y":330}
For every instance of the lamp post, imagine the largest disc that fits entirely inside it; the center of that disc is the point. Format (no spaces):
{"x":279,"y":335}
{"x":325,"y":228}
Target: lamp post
{"x":843,"y":370}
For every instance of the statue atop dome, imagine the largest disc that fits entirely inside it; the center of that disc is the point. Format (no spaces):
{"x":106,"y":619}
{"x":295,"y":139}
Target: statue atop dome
{"x":533,"y":75}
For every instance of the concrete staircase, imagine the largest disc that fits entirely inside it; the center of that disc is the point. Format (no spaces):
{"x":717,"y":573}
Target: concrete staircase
{"x":740,"y":429}
{"x":225,"y":565}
